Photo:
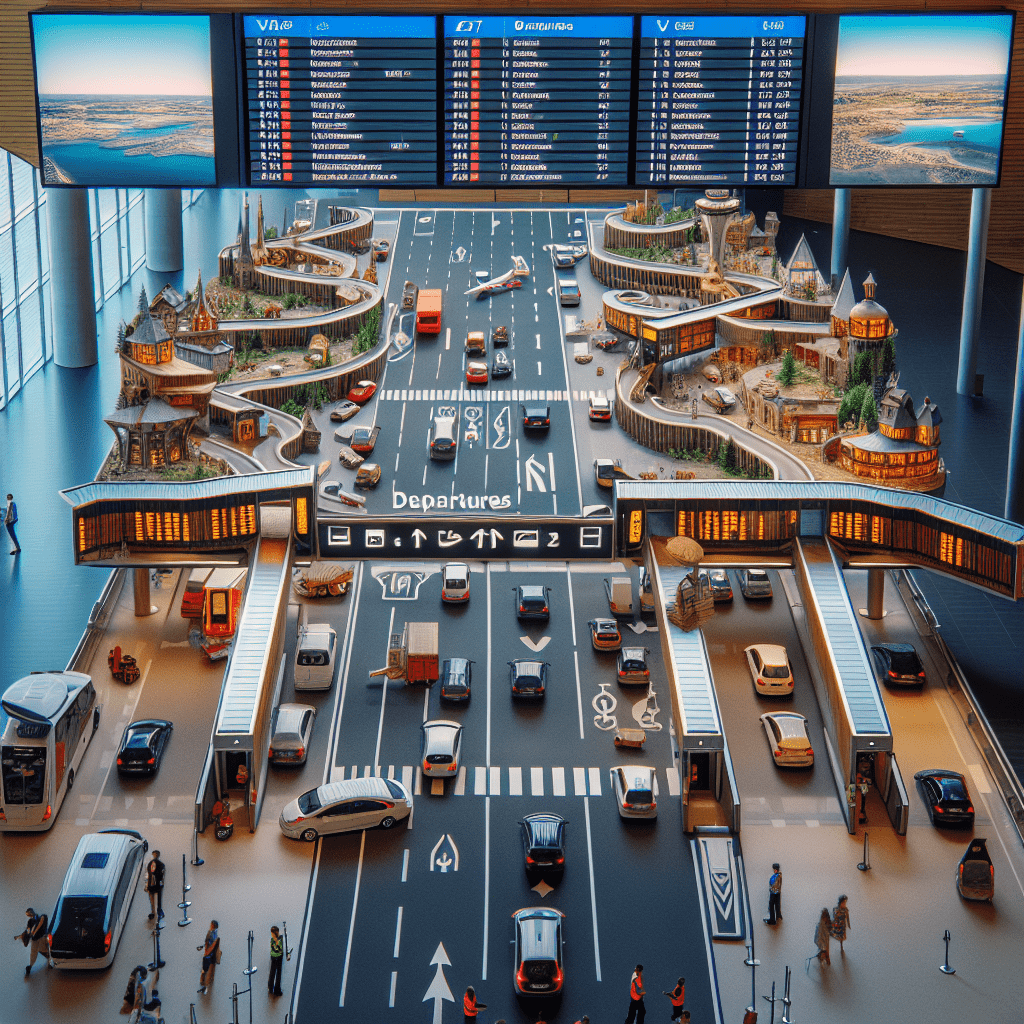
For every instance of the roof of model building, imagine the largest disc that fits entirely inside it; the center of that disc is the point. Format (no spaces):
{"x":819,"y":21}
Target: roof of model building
{"x":867,"y":308}
{"x":897,"y":409}
{"x":879,"y":442}
{"x":928,"y":415}
{"x":845,"y":300}
{"x":148,"y":331}
{"x":154,"y":411}
{"x":802,"y":258}
{"x":172,"y":297}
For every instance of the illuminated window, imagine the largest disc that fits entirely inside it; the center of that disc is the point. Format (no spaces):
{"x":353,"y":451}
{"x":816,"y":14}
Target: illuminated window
{"x":301,"y":516}
{"x":946,"y":547}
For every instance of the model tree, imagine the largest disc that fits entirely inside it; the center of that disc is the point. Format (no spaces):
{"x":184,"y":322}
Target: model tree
{"x":889,"y":356}
{"x":869,"y":411}
{"x":863,"y":369}
{"x":787,"y":372}
{"x":853,"y":401}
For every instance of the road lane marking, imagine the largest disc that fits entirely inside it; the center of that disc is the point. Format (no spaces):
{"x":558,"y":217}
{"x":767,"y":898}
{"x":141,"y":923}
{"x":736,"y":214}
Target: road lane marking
{"x":579,"y":691}
{"x":536,"y":781}
{"x":593,"y":892}
{"x":494,"y":789}
{"x":515,"y":782}
{"x":480,"y":781}
{"x":352,"y":919}
{"x":673,"y":781}
{"x":407,"y":776}
{"x":595,"y":782}
{"x":391,"y":771}
{"x":460,"y":782}
{"x":558,"y":781}
{"x":405,"y":865}
{"x":579,"y":781}
{"x":367,"y":771}
{"x":394,"y":980}
{"x":418,"y":787}
{"x":487,"y":881}
{"x":398,"y":939}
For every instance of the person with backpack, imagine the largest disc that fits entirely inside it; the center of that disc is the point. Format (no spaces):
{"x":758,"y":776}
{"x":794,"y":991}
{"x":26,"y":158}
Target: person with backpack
{"x":34,"y":937}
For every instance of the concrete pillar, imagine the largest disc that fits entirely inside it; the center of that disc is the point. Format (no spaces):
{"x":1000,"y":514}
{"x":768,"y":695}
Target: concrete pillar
{"x":142,"y":599}
{"x":840,"y":235}
{"x":1015,"y":464}
{"x":71,"y":283}
{"x":876,"y":594}
{"x":974,"y":286}
{"x":163,"y":229}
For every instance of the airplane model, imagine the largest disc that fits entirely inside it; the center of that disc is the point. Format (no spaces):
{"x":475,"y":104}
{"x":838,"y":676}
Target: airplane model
{"x":520,"y":268}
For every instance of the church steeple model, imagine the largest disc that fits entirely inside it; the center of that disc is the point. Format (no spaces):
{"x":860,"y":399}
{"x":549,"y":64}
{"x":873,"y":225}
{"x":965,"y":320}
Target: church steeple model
{"x":202,"y":319}
{"x":259,"y":251}
{"x":243,"y":272}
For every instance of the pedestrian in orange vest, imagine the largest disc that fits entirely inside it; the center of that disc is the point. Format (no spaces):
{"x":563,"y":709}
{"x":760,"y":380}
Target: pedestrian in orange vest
{"x":470,"y":1007}
{"x":677,"y":997}
{"x":637,"y":1010}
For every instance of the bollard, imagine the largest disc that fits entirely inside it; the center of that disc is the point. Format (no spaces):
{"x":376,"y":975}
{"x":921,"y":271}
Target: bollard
{"x":865,"y":864}
{"x":771,"y":999}
{"x":184,"y":904}
{"x":786,"y":1001}
{"x":156,"y":962}
{"x":945,"y":968}
{"x":753,"y":964}
{"x":196,"y":859}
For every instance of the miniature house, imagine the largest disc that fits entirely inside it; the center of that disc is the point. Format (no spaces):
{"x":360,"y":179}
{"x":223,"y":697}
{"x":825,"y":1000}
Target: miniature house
{"x":802,"y":277}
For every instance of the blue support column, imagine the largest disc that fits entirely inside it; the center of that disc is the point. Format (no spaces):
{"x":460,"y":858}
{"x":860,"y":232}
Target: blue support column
{"x":840,"y":235}
{"x":1015,"y":463}
{"x":163,"y":229}
{"x":71,"y":283}
{"x":974,"y":286}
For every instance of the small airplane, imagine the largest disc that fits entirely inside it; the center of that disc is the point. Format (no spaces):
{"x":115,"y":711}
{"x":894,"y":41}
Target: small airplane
{"x":520,"y":268}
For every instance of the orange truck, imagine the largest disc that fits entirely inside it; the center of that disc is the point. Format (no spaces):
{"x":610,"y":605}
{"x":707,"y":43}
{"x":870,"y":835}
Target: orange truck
{"x":412,"y":654}
{"x":428,"y":311}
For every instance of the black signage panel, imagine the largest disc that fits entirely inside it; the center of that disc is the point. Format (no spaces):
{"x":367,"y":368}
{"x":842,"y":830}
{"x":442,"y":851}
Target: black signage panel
{"x":502,"y":539}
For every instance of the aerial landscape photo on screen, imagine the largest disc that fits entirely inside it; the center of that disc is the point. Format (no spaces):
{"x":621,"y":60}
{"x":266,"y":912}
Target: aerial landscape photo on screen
{"x":125,"y":100}
{"x":919,"y":99}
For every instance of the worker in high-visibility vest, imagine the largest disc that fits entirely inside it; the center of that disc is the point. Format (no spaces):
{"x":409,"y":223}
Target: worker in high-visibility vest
{"x":677,"y":997}
{"x":637,"y":1010}
{"x":470,"y":1007}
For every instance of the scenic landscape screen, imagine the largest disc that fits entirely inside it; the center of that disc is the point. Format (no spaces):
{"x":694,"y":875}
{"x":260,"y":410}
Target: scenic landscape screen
{"x":920,"y":99}
{"x":125,"y":100}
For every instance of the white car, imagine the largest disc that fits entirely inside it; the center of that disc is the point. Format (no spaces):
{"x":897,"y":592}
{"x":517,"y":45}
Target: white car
{"x":770,"y":669}
{"x":788,"y":739}
{"x":314,"y":657}
{"x":348,"y":806}
{"x":290,"y":733}
{"x":634,"y":791}
{"x":440,"y":748}
{"x":455,"y":583}
{"x":721,"y":399}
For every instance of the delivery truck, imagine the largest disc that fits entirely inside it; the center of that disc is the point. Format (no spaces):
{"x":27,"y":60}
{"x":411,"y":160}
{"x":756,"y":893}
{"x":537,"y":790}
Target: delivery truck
{"x":428,"y":311}
{"x":412,"y":654}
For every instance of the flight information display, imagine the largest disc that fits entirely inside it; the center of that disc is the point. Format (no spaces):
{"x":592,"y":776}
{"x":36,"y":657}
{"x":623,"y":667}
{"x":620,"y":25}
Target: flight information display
{"x":341,"y":99}
{"x":533,"y":100}
{"x":719,"y":99}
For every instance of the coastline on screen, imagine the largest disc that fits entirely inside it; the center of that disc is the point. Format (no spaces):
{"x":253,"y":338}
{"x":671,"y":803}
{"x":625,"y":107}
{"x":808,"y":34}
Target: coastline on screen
{"x":124,"y":100}
{"x":934,"y":114}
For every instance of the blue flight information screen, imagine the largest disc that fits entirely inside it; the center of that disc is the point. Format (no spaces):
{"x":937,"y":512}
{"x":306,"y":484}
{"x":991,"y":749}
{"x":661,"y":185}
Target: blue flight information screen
{"x":719,"y":99}
{"x":531,"y":100}
{"x":341,"y":99}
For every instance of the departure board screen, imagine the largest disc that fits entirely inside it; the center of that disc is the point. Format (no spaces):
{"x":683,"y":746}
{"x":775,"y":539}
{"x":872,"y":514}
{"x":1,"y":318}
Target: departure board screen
{"x":341,"y":99}
{"x":719,"y":99}
{"x":533,"y":100}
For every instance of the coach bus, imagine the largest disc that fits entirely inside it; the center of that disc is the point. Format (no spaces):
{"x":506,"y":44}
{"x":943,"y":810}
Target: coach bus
{"x":49,"y":719}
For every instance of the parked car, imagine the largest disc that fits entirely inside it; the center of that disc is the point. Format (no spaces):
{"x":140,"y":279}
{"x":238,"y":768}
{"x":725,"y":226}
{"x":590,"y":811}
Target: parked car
{"x":499,"y":336}
{"x":456,"y":679}
{"x":532,"y":602}
{"x":368,"y":475}
{"x":444,"y":438}
{"x":362,"y":392}
{"x":500,"y":365}
{"x":333,"y":490}
{"x":528,"y":678}
{"x":538,"y":951}
{"x":291,"y":730}
{"x":381,"y":248}
{"x":605,"y":635}
{"x":348,"y":806}
{"x":975,"y":875}
{"x":633,"y":785}
{"x":455,"y":583}
{"x":755,"y":584}
{"x":718,"y":581}
{"x":946,"y":796}
{"x":364,"y":440}
{"x":349,"y":458}
{"x":600,"y":410}
{"x":476,"y":373}
{"x":315,"y":656}
{"x":898,"y":664}
{"x":476,"y":343}
{"x":632,"y":666}
{"x":720,"y":399}
{"x":440,"y":746}
{"x":142,"y":746}
{"x":770,"y":669}
{"x":344,"y":411}
{"x":536,"y":417}
{"x":787,"y":737}
{"x":543,"y":838}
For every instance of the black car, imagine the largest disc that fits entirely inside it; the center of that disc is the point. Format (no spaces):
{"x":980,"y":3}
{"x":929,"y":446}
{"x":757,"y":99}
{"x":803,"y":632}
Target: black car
{"x":536,"y":417}
{"x":975,"y":876}
{"x":532,"y":603}
{"x":947,"y":798}
{"x":538,"y":951}
{"x":456,"y":679}
{"x":142,"y":746}
{"x":528,"y":678}
{"x":500,"y":366}
{"x":898,"y":664}
{"x":543,"y":838}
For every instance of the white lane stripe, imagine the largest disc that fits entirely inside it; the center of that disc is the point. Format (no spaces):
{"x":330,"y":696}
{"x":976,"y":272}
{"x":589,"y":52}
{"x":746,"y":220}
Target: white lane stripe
{"x":579,"y":781}
{"x":656,"y":789}
{"x":460,"y":782}
{"x":418,"y":786}
{"x":367,"y":771}
{"x":595,"y":782}
{"x":480,"y":781}
{"x":394,"y":982}
{"x":558,"y":781}
{"x":352,"y":920}
{"x":673,"y":781}
{"x":536,"y":781}
{"x":494,"y":789}
{"x":593,"y":891}
{"x":398,"y":932}
{"x":515,"y":781}
{"x":355,"y":772}
{"x":391,"y":771}
{"x":405,"y":865}
{"x":407,"y":776}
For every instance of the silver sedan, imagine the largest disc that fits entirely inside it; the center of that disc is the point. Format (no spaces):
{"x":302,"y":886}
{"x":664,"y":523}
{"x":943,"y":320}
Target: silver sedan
{"x":290,"y":733}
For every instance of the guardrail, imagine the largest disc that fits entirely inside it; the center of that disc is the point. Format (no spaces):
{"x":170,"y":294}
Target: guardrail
{"x":98,"y":619}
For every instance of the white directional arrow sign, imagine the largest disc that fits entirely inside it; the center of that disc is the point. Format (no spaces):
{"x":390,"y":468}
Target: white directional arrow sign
{"x":418,"y":537}
{"x":534,"y":475}
{"x":539,"y":645}
{"x":439,"y":990}
{"x":481,"y":537}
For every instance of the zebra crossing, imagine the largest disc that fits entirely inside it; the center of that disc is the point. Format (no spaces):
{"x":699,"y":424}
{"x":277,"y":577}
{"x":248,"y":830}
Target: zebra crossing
{"x":480,"y":396}
{"x":512,"y":780}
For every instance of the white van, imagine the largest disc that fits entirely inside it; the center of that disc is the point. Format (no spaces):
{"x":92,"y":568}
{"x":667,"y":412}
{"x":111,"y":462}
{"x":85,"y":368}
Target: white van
{"x":94,"y":901}
{"x":315,"y":656}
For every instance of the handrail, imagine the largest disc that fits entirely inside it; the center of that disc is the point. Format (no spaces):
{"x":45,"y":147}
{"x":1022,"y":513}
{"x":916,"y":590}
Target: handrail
{"x":98,"y":617}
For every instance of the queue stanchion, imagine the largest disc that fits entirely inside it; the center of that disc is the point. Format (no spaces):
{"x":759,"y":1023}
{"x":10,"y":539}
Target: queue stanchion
{"x":196,"y":859}
{"x":945,"y":968}
{"x":157,"y":962}
{"x":185,"y":903}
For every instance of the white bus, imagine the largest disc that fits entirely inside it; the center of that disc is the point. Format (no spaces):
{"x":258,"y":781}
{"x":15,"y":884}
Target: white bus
{"x":50,"y":718}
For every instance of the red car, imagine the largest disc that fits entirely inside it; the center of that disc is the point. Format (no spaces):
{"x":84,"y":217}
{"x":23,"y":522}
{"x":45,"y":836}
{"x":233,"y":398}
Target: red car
{"x":362,"y":392}
{"x":363,"y":439}
{"x":476,"y":373}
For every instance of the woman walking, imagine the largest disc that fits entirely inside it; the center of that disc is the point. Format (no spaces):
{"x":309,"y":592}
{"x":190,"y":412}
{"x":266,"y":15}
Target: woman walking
{"x":841,"y":921}
{"x":821,"y":936}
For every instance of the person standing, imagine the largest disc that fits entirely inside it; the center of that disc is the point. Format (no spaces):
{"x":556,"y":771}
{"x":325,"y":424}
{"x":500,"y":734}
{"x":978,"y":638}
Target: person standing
{"x":10,"y":518}
{"x":863,"y":785}
{"x":774,"y":896}
{"x":677,"y":997}
{"x":276,"y":961}
{"x":155,"y":885}
{"x":637,"y":1010}
{"x":841,"y":921}
{"x":34,"y":937}
{"x":211,"y":950}
{"x":470,"y":1007}
{"x":821,"y":936}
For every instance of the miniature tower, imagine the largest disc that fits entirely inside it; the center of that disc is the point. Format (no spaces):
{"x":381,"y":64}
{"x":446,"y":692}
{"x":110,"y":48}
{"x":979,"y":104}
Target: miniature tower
{"x":771,"y":229}
{"x":202,"y":319}
{"x":243,"y":275}
{"x":717,"y":211}
{"x":259,"y":250}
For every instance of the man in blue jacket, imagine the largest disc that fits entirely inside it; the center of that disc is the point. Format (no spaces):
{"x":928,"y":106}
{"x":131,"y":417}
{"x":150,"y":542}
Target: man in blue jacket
{"x":10,"y":518}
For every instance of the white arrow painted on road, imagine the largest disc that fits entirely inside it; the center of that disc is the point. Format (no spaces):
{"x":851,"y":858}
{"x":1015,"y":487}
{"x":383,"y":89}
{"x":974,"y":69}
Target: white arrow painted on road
{"x":444,"y":862}
{"x":551,"y":289}
{"x":439,"y":990}
{"x":534,"y":475}
{"x":642,"y":627}
{"x":539,"y":645}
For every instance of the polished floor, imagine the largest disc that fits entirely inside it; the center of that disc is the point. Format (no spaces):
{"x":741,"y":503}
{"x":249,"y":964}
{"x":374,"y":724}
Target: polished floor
{"x":52,"y":436}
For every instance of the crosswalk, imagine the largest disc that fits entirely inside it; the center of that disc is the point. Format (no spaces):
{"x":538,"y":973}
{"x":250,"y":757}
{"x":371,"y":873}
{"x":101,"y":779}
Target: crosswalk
{"x":482,"y":396}
{"x":511,"y":780}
